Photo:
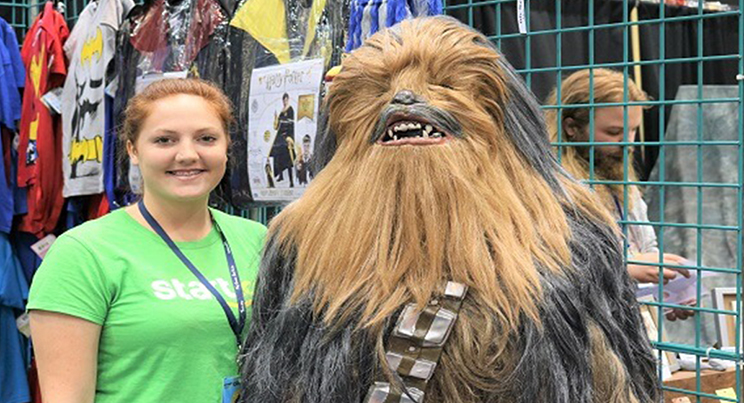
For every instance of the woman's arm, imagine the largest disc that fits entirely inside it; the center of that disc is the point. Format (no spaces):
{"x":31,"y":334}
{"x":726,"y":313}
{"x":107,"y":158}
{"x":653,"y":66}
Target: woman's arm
{"x":66,"y":349}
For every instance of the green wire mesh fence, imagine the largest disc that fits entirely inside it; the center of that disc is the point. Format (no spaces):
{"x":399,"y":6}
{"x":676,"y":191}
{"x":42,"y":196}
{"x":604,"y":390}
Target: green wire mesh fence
{"x":688,"y":57}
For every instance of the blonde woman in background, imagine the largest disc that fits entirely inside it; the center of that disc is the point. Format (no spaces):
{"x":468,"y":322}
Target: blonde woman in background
{"x":608,"y":86}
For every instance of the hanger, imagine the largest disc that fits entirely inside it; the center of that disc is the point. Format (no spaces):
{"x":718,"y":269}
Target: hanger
{"x":60,"y":7}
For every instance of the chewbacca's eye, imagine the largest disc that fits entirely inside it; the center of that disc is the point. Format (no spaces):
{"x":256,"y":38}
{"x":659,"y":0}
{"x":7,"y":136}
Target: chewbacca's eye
{"x":447,"y":86}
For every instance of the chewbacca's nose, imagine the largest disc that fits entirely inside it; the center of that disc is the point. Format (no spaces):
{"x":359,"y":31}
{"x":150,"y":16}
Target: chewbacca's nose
{"x":406,"y":97}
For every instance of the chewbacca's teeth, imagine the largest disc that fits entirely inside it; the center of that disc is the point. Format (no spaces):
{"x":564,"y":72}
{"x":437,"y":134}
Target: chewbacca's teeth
{"x":390,"y":133}
{"x":426,"y":134}
{"x":395,"y":138}
{"x":428,"y":129}
{"x":436,"y":135}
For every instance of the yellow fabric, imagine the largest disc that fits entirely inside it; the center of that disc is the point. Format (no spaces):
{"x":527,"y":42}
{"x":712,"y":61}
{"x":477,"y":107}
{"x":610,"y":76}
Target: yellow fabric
{"x":266,"y":21}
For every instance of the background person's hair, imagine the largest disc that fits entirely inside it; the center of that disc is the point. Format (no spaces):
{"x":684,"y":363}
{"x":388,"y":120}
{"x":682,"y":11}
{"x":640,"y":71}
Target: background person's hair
{"x":609,"y":87}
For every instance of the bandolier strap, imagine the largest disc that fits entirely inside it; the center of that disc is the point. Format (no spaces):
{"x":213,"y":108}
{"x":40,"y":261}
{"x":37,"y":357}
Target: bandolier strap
{"x":415,"y":347}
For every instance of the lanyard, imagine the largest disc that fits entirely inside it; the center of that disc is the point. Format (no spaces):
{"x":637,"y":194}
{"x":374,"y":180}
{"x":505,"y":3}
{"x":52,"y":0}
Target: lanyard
{"x":619,"y":211}
{"x":236,"y":325}
{"x":619,"y":208}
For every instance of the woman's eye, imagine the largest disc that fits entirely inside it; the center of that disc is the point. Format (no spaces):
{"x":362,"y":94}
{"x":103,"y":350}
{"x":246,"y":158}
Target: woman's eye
{"x":209,"y":139}
{"x":162,"y":140}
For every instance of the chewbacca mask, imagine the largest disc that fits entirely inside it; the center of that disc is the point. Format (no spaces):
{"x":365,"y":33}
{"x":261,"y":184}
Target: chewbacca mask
{"x":436,"y":168}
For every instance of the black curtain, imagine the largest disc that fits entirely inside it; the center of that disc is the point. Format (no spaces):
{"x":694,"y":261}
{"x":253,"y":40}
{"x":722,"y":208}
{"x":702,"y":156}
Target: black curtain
{"x":719,"y":37}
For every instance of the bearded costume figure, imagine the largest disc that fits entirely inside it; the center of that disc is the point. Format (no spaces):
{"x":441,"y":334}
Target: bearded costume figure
{"x":441,"y":255}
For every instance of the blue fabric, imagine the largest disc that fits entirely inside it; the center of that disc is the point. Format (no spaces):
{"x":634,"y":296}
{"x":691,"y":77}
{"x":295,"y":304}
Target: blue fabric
{"x":398,"y":11}
{"x":435,"y":7}
{"x":29,"y":260}
{"x":13,"y":293}
{"x":6,"y":193}
{"x":13,"y":285}
{"x":109,"y":154}
{"x":7,"y":33}
{"x":15,"y":75}
{"x":374,"y":13}
{"x":6,"y":82}
{"x":76,"y":209}
{"x":20,"y":202}
{"x":355,"y":24}
{"x":13,"y":380}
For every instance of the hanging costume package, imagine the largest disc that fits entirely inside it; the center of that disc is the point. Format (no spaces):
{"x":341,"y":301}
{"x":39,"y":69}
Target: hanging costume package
{"x":171,"y":35}
{"x":282,"y":125}
{"x":278,"y":47}
{"x":165,"y":39}
{"x":83,"y":106}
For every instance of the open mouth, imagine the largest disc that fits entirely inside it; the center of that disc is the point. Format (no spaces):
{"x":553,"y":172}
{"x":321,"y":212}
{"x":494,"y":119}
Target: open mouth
{"x":414,"y":130}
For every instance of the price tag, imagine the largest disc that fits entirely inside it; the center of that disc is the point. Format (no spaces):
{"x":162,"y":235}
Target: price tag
{"x":53,"y":100}
{"x":41,"y":247}
{"x":22,"y":322}
{"x":521,"y":17}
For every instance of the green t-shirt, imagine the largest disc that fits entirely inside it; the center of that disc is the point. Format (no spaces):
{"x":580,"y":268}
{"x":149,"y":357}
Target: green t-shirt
{"x":164,"y":337}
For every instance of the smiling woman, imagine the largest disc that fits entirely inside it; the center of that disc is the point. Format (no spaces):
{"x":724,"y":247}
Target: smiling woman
{"x":127,"y":306}
{"x":181,"y":149}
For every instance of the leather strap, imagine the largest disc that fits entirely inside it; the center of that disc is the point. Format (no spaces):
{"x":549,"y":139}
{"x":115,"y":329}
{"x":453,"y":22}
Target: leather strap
{"x":415,"y":347}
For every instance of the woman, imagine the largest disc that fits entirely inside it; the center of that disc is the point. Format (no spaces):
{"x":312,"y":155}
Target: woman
{"x":608,"y":86}
{"x":147,"y":304}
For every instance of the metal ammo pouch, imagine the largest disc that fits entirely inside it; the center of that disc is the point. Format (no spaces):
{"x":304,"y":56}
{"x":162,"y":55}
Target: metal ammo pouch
{"x":415,"y":346}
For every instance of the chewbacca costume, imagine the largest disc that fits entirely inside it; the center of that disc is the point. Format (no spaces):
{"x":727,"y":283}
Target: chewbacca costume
{"x":437,"y":173}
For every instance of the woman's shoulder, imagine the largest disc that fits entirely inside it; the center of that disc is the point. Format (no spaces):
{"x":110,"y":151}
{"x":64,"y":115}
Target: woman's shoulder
{"x":113,"y":224}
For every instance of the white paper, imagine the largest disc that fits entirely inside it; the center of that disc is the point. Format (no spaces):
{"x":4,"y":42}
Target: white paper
{"x":521,"y":18}
{"x":679,"y":291}
{"x":112,"y":87}
{"x":53,"y":100}
{"x":144,"y":80}
{"x":278,"y":165}
{"x":42,"y":246}
{"x":22,"y":323}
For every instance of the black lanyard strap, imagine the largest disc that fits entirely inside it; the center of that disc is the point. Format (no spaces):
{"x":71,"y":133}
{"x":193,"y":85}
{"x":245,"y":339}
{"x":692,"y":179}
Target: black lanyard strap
{"x":235,"y":324}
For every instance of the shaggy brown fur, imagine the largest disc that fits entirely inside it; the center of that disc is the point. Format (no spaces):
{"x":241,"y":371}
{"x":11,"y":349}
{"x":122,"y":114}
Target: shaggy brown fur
{"x":549,"y":306}
{"x":421,"y":213}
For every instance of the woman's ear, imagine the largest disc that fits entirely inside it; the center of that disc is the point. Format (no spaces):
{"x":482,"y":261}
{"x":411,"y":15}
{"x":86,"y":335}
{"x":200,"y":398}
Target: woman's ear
{"x":132,"y":151}
{"x":571,"y":128}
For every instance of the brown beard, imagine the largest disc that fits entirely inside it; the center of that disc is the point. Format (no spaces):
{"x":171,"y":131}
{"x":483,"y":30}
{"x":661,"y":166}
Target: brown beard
{"x":423,"y":215}
{"x":608,"y":166}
